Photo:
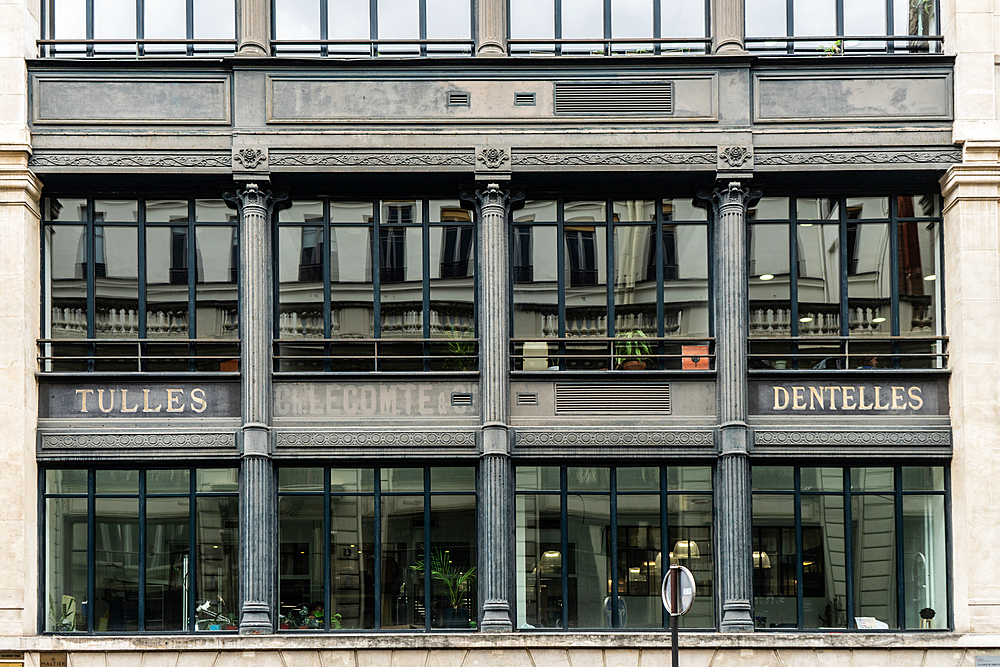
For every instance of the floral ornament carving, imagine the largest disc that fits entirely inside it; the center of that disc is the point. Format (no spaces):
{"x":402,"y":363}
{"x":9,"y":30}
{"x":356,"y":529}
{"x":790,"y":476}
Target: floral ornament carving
{"x":249,"y":158}
{"x":493,"y":158}
{"x":735,"y":156}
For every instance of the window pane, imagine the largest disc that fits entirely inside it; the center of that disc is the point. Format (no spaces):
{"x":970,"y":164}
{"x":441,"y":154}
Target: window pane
{"x":869,"y":288}
{"x":817,"y":208}
{"x":116,"y":481}
{"x":453,"y":293}
{"x":449,"y":19}
{"x":214,"y":19}
{"x":924,"y":567}
{"x":536,"y":300}
{"x":352,"y":562}
{"x":685,"y":282}
{"x":65,"y":481}
{"x":532,"y":19}
{"x":300,"y":479}
{"x":352,"y":295}
{"x":766,"y":18}
{"x":403,"y":480}
{"x":676,"y":210}
{"x":690,"y":541}
{"x":824,"y":569}
{"x":66,"y":564}
{"x":770,"y":296}
{"x":300,"y":285}
{"x":401,"y":294}
{"x":822,"y":479}
{"x":398,"y":19}
{"x":453,"y":562}
{"x":218,"y":480}
{"x":929,"y":478}
{"x":296,"y":19}
{"x":638,"y":479}
{"x":774,"y":561}
{"x":453,"y":479}
{"x":864,"y":18}
{"x":165,"y":19}
{"x":116,"y":566}
{"x":815,"y":18}
{"x":635,"y":283}
{"x":66,"y":266}
{"x":300,"y":562}
{"x":919,"y":268}
{"x":539,"y":560}
{"x":773,"y":478}
{"x":218,"y":563}
{"x":116,"y":283}
{"x":114,"y":19}
{"x":168,"y":525}
{"x":919,"y":206}
{"x":872,"y":479}
{"x":402,"y":591}
{"x":583,"y":19}
{"x":537,"y":478}
{"x":819,"y":292}
{"x":166,"y":282}
{"x":168,"y":481}
{"x":588,"y":479}
{"x":640,"y":564}
{"x":345,"y":480}
{"x":873,"y":536}
{"x":914,"y":18}
{"x":588,"y":519}
{"x":683,"y":19}
{"x":631,"y":18}
{"x":216,"y":292}
{"x":69,"y":18}
{"x":349,"y":19}
{"x":769,"y":208}
{"x":585,"y":279}
{"x":689,"y":478}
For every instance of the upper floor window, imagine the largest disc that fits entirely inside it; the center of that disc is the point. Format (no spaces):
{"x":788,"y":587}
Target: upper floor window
{"x":610,"y":284}
{"x":134,"y":27}
{"x":605,"y":27}
{"x":370,"y":28}
{"x":335,"y":312}
{"x":130,"y":285}
{"x":846,"y":282}
{"x":836,"y":27}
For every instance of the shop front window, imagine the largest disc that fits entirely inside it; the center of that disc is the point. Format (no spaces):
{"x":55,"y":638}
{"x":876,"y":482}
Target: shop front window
{"x":592,"y":545}
{"x":98,"y":576}
{"x":401,"y":553}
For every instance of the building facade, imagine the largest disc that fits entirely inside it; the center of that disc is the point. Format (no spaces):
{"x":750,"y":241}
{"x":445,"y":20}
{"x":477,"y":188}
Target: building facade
{"x":399,"y":332}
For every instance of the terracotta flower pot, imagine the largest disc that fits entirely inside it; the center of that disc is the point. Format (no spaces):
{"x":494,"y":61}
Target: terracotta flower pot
{"x":633,"y":365}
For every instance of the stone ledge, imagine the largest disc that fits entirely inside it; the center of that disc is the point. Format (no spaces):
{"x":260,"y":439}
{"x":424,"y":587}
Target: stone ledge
{"x":540,"y":640}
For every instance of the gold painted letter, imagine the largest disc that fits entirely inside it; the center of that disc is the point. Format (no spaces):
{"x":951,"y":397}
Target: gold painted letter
{"x":83,"y":398}
{"x":173,"y":400}
{"x":145,"y":402}
{"x":915,"y":401}
{"x":784,"y":403}
{"x":100,"y":400}
{"x":125,"y":407}
{"x":848,"y":401}
{"x":897,"y":398}
{"x":861,"y":400}
{"x":198,"y":400}
{"x":798,"y":398}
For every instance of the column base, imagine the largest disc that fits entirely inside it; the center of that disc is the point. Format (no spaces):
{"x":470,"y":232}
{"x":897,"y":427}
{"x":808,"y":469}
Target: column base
{"x":496,"y":618}
{"x":736,"y":616}
{"x":256,"y":619}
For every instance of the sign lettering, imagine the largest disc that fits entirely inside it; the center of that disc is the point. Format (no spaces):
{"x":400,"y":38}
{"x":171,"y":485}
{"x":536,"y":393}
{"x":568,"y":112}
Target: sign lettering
{"x":892,"y":397}
{"x":137,"y":401}
{"x":357,"y":401}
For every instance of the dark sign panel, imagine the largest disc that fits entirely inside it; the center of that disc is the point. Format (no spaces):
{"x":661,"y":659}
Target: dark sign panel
{"x":334,"y":400}
{"x":133,"y":400}
{"x":843,"y":396}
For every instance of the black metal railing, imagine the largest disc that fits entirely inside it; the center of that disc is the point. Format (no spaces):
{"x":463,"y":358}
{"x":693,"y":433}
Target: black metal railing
{"x":138,"y":355}
{"x":376,"y":355}
{"x":372,"y":48}
{"x":845,"y":45}
{"x":847,"y":352}
{"x":592,"y":353}
{"x":91,"y":48}
{"x":609,"y":47}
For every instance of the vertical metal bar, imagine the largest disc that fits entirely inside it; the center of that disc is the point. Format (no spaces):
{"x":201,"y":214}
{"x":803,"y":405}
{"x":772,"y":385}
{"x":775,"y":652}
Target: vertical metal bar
{"x":427,"y":548}
{"x":425,"y":259}
{"x":664,"y":536}
{"x":324,"y":30}
{"x":608,"y":32}
{"x":142,"y":551}
{"x":613,"y":556}
{"x":422,"y":4}
{"x":940,"y":315}
{"x":900,"y":564}
{"x":840,"y":20}
{"x":710,"y":231}
{"x":708,"y":26}
{"x":848,"y":545}
{"x":91,"y":245}
{"x":658,"y":251}
{"x":890,"y":27}
{"x":193,"y":286}
{"x":46,"y":33}
{"x":42,"y":528}
{"x":90,"y":27}
{"x":949,"y":562}
{"x":793,"y":287}
{"x":376,"y":234}
{"x":564,"y":545}
{"x":609,"y":273}
{"x":327,"y":549}
{"x":140,"y":28}
{"x":790,"y":24}
{"x":799,"y":567}
{"x":377,"y":575}
{"x":561,"y":280}
{"x":373,"y":18}
{"x":845,"y":309}
{"x":91,"y":555}
{"x":192,"y":572}
{"x":142,"y":270}
{"x":894,"y":324}
{"x":675,"y":604}
{"x":327,"y":246}
{"x":557,"y":23}
{"x":189,"y":18}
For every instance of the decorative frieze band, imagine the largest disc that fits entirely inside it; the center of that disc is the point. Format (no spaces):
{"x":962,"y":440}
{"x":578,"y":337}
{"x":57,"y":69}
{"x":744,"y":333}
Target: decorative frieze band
{"x":375,"y":439}
{"x":150,"y":160}
{"x":612,"y":159}
{"x":836,"y":443}
{"x":614,"y":438}
{"x":145,"y":440}
{"x":373,"y":159}
{"x":768,"y":159}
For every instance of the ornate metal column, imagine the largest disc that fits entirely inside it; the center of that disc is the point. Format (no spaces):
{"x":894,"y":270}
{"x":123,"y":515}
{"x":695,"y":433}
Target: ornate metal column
{"x":729,"y":28}
{"x":491,"y":27}
{"x":258,"y":515}
{"x":492,"y":205}
{"x":253,"y":19}
{"x":729,"y":205}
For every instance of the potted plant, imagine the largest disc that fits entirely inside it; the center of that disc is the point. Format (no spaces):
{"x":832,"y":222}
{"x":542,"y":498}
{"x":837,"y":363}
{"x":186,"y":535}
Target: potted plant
{"x":632,"y":352}
{"x":457,"y":583}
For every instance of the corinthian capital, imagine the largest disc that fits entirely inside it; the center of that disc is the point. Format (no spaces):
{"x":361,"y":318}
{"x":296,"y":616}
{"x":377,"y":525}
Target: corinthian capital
{"x":492,"y":195}
{"x":732,"y":195}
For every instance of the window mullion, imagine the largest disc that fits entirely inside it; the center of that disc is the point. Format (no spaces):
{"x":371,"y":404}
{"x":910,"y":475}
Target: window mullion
{"x":425,"y":256}
{"x":192,"y":272}
{"x":561,"y":278}
{"x":142,"y":551}
{"x":427,"y":548}
{"x":327,"y":555}
{"x":189,"y":24}
{"x":91,"y":520}
{"x":327,"y":258}
{"x":377,"y":575}
{"x":613,"y":574}
{"x":900,"y":567}
{"x":799,"y":556}
{"x":848,"y":546}
{"x":564,"y":546}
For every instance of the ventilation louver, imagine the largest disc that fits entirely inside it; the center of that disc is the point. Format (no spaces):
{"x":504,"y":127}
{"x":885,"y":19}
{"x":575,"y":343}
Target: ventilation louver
{"x":524,"y":398}
{"x":524,"y":99}
{"x":646,"y":399}
{"x":461,"y":399}
{"x":458,"y":99}
{"x":639,"y":98}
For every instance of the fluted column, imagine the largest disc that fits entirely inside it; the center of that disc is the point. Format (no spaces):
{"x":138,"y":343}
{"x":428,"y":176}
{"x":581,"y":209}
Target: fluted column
{"x":253,"y":18}
{"x":492,"y":205}
{"x":732,"y":489}
{"x":491,"y":27}
{"x":258,"y":516}
{"x":729,"y":27}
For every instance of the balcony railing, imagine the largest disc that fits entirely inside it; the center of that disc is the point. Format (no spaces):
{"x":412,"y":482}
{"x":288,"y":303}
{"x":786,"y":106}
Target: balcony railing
{"x":376,"y":355}
{"x":845,"y":45}
{"x":609,"y":47}
{"x":866,"y":352}
{"x":138,"y":355}
{"x":374,"y":48}
{"x":593,"y":353}
{"x":120,"y":48}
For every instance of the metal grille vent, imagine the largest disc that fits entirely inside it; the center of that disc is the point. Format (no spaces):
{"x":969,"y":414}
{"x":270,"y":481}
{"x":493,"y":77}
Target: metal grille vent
{"x":461,"y":399}
{"x":456,"y":99}
{"x":526,"y":399}
{"x":643,"y":399}
{"x":524,"y":99}
{"x":616,"y":98}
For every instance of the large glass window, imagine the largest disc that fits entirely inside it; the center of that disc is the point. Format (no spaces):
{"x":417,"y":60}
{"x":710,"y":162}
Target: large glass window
{"x":135,"y":27}
{"x":592,"y":544}
{"x":139,"y":285}
{"x":152,"y":550}
{"x":387,"y":527}
{"x":370,"y":28}
{"x":610,"y":284}
{"x":416,"y":313}
{"x":850,"y":548}
{"x":836,"y":27}
{"x":846,"y":282}
{"x":605,"y":27}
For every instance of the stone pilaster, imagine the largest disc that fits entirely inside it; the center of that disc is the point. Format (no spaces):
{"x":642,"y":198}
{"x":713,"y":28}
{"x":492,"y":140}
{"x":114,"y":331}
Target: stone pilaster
{"x":253,"y":18}
{"x":492,"y":205}
{"x":728,"y":27}
{"x":258,"y":514}
{"x":729,"y":205}
{"x":971,"y":192}
{"x":491,"y":27}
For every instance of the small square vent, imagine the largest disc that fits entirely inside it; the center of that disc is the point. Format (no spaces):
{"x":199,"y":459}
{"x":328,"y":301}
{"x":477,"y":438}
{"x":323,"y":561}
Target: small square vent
{"x":524,"y":99}
{"x":458,"y":99}
{"x":527,"y":398}
{"x":461,"y":399}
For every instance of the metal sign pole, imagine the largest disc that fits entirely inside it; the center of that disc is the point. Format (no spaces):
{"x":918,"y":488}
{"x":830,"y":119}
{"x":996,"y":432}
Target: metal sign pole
{"x":675,"y":592}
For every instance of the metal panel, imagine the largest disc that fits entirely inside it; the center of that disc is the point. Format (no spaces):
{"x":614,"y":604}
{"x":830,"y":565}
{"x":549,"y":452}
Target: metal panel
{"x":608,"y":398}
{"x":616,"y":98}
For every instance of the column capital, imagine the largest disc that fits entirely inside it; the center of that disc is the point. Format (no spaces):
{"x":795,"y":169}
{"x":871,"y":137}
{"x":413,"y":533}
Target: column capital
{"x":735,"y":193}
{"x":493,"y":195}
